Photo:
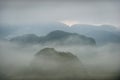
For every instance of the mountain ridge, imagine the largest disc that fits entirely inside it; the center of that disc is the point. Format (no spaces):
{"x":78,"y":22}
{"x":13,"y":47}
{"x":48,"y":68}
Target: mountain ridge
{"x":57,"y":37}
{"x":43,"y":29}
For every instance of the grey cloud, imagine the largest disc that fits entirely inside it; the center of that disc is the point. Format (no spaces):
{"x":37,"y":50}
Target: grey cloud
{"x":34,"y":12}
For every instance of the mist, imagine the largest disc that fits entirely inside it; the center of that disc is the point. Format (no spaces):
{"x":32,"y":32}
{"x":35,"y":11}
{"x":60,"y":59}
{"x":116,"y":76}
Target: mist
{"x":98,"y":61}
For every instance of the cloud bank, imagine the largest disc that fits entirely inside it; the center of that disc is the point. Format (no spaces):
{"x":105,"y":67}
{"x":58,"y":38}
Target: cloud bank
{"x":19,"y":12}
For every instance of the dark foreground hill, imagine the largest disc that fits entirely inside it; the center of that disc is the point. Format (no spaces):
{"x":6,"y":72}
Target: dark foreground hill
{"x":60,"y":65}
{"x":57,"y":37}
{"x":49,"y":64}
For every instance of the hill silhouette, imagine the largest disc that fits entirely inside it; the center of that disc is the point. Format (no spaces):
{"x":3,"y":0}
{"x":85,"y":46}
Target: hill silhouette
{"x":56,"y":37}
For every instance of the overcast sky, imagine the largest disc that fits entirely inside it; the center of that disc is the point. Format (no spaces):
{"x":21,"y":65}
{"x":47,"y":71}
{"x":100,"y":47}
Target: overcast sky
{"x":20,"y":12}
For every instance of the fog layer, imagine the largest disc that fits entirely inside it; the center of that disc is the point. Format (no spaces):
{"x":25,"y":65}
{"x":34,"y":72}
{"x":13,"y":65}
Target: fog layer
{"x":99,"y":62}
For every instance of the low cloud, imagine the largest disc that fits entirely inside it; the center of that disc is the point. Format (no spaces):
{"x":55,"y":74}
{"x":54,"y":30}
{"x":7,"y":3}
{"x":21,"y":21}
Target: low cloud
{"x":98,"y":61}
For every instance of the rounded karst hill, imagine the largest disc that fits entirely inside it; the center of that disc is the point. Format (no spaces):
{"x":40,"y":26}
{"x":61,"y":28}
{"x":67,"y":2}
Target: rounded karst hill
{"x":55,"y":64}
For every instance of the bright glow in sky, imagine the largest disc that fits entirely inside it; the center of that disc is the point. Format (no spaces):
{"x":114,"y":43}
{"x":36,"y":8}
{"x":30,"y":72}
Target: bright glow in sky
{"x":70,"y":22}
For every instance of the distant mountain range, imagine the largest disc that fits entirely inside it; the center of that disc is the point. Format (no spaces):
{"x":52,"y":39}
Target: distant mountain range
{"x":103,"y":34}
{"x":56,"y":37}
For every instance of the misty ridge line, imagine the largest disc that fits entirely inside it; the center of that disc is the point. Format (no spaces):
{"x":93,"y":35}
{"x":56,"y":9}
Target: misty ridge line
{"x":56,"y":37}
{"x":103,"y":34}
